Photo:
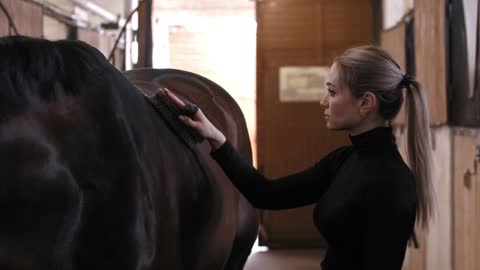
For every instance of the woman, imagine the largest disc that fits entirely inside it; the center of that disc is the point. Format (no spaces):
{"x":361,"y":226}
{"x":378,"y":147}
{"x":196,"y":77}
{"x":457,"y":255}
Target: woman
{"x":367,"y":199}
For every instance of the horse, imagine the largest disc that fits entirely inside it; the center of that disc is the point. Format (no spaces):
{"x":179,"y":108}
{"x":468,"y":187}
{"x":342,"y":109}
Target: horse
{"x":93,"y":177}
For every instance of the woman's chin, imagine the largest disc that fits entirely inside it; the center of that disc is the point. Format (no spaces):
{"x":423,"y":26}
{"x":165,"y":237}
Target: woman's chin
{"x":331,"y":126}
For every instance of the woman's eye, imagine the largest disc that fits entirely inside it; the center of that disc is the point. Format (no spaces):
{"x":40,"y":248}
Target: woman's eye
{"x":331,"y":92}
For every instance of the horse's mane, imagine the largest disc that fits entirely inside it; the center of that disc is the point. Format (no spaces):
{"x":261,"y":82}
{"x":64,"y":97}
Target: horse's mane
{"x":37,"y":70}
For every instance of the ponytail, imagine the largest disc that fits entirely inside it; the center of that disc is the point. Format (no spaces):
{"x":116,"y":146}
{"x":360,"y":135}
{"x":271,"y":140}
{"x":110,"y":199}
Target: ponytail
{"x":419,"y":150}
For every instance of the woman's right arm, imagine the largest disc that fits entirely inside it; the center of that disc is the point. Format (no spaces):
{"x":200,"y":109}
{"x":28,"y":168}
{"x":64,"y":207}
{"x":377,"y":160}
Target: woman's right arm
{"x":295,"y":190}
{"x":291,"y":191}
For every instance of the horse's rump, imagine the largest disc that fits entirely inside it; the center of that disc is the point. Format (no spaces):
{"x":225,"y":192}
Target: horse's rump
{"x":224,"y":113}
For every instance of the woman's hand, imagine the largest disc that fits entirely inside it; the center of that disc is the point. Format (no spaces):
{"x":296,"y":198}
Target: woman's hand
{"x":199,"y":122}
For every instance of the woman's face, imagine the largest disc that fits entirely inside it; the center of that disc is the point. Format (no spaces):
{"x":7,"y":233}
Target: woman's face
{"x":342,"y":109}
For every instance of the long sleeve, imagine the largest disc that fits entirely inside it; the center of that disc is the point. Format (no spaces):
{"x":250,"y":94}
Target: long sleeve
{"x":291,"y":191}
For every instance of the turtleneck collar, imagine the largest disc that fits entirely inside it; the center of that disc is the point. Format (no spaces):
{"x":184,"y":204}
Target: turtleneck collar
{"x":376,"y":139}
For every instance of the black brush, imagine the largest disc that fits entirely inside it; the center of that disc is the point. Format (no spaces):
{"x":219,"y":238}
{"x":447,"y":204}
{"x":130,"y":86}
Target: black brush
{"x":169,"y":112}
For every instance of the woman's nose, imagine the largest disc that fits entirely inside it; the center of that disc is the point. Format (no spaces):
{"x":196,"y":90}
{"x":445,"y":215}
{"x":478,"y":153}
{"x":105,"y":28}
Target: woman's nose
{"x":324,"y":101}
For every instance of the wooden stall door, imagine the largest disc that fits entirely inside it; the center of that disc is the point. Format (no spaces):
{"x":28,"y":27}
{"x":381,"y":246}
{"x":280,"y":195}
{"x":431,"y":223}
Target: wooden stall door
{"x":467,"y":204}
{"x":430,"y":55}
{"x":292,"y":136}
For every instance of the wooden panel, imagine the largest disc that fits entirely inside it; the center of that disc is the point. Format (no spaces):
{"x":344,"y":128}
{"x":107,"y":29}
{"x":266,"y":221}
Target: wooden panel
{"x":118,"y":57}
{"x":393,"y":40}
{"x":347,"y":22}
{"x":439,"y":239}
{"x":201,"y":4}
{"x":292,"y":136}
{"x":89,"y":36}
{"x":53,"y":29}
{"x":467,"y":203}
{"x":104,"y":43}
{"x":27,"y":17}
{"x":285,"y":26}
{"x":415,"y":258}
{"x":430,"y":55}
{"x":436,"y":245}
{"x":4,"y":24}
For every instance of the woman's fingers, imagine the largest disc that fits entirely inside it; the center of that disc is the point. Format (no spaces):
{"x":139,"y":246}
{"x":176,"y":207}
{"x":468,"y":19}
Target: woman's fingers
{"x":187,"y":120}
{"x":199,"y":121}
{"x":174,"y":99}
{"x":199,"y":115}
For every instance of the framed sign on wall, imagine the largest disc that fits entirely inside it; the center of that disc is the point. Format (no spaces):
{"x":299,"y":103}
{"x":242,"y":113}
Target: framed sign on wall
{"x":303,"y":83}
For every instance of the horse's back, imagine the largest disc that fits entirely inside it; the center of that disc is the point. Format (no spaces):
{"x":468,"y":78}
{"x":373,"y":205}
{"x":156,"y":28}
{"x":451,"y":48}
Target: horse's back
{"x":215,"y":102}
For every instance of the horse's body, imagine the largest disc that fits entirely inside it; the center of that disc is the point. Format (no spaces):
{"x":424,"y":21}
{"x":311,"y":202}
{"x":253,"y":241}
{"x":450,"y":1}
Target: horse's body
{"x":93,"y":178}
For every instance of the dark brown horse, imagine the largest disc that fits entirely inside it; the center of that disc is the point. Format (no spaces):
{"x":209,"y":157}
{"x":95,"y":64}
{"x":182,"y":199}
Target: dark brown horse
{"x":92,"y":177}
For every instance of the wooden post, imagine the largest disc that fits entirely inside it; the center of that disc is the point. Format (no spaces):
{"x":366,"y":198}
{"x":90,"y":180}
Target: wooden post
{"x":145,"y":42}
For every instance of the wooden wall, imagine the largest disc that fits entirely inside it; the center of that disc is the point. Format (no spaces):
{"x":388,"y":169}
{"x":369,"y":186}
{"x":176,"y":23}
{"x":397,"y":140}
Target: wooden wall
{"x":103,"y":42}
{"x":430,"y":55}
{"x":393,"y":40}
{"x":54,"y":29}
{"x":466,"y":191}
{"x":27,"y":17}
{"x":439,"y":239}
{"x":452,"y":242}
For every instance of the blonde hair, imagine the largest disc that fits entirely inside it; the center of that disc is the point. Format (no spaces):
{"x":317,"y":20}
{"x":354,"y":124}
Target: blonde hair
{"x":369,"y":68}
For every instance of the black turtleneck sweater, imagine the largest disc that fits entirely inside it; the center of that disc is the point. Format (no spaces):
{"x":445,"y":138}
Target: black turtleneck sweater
{"x":364,"y":193}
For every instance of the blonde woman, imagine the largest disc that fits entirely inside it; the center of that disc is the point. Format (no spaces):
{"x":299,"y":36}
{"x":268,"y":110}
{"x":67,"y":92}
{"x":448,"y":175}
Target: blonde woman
{"x":367,"y":199}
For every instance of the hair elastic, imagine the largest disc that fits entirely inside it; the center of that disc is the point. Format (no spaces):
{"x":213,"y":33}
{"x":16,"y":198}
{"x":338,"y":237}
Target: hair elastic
{"x":406,"y":80}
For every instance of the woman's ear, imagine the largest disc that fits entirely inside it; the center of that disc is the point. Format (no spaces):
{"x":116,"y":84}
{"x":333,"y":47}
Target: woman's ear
{"x":368,"y":102}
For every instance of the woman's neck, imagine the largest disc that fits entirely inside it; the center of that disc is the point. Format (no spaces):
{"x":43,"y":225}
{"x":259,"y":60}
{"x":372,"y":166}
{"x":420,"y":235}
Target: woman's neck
{"x":366,"y":126}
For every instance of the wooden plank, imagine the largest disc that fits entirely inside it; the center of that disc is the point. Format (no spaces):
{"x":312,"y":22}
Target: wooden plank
{"x":476,"y":225}
{"x":415,"y":258}
{"x":53,"y":29}
{"x":89,"y":36}
{"x":466,"y":230}
{"x":289,"y":27}
{"x":4,"y":25}
{"x":27,"y":17}
{"x":393,"y":41}
{"x":439,"y":250}
{"x":348,"y":22}
{"x":430,"y":55}
{"x":118,"y":56}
